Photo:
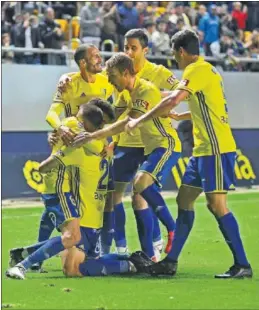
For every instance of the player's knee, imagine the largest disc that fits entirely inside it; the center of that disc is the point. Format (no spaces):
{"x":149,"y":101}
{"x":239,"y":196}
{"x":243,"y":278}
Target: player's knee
{"x":109,"y":203}
{"x":217,"y":210}
{"x":117,"y":197}
{"x":139,"y":183}
{"x":138,"y":203}
{"x":71,"y":238}
{"x":181,"y":202}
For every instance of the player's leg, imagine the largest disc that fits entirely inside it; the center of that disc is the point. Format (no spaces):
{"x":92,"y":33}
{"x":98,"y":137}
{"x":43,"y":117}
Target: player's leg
{"x":46,"y":227}
{"x":119,"y":217}
{"x":126,"y":162}
{"x":107,"y":232}
{"x":70,"y":236}
{"x":146,"y":183}
{"x":222,"y":167}
{"x":144,"y":220}
{"x":52,"y":217}
{"x":189,"y":191}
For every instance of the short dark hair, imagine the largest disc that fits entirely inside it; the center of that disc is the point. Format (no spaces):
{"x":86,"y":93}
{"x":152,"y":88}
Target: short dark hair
{"x":188,"y":40}
{"x":81,"y":51}
{"x":105,"y":106}
{"x":121,"y":62}
{"x":92,"y":113}
{"x":139,"y":34}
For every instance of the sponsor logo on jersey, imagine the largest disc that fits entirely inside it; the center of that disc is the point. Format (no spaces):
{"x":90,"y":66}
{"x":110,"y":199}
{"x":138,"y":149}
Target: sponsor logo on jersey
{"x":139,"y":103}
{"x":184,"y":82}
{"x":171,"y":80}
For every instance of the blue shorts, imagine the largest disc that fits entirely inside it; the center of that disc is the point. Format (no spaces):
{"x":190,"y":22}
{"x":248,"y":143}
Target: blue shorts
{"x":214,"y":173}
{"x":159,"y":163}
{"x":126,"y":163}
{"x":90,"y":241}
{"x":60,"y":208}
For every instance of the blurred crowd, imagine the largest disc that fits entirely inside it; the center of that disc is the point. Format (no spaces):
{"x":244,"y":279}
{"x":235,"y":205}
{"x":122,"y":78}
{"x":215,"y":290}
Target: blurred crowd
{"x":227,"y":30}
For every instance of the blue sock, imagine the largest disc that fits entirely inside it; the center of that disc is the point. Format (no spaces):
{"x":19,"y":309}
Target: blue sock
{"x":103,"y":267}
{"x":156,"y":228}
{"x":107,"y":232}
{"x":226,"y":239}
{"x":229,"y":224}
{"x":46,"y":227}
{"x":144,"y":219}
{"x":120,"y":222}
{"x":52,"y":247}
{"x":184,"y":225}
{"x":28,"y":250}
{"x":115,"y":256}
{"x":153,"y":197}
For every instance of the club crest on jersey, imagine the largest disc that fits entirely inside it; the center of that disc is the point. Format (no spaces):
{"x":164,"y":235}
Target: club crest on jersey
{"x":139,"y":103}
{"x":184,"y":82}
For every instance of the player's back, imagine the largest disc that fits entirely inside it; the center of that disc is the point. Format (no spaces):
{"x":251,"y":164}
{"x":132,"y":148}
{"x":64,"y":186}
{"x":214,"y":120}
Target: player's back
{"x":208,"y":106}
{"x":93,"y":175}
{"x":58,"y":179}
{"x":157,"y":132}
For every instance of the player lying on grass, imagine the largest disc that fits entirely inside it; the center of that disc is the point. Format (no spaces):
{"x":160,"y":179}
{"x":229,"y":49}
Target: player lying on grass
{"x":162,"y":147}
{"x":211,"y":168}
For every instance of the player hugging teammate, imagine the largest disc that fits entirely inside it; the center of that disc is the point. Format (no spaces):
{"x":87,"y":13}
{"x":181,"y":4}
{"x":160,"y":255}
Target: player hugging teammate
{"x":79,"y":171}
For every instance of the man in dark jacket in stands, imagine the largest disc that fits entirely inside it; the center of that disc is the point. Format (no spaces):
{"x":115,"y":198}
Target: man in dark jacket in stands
{"x":52,"y":37}
{"x":26,"y":34}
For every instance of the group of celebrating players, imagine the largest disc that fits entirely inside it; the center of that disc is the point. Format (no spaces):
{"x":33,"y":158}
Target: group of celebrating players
{"x":85,"y":176}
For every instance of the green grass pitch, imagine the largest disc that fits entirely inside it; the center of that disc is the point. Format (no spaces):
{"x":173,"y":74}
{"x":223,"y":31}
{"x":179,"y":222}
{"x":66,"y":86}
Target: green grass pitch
{"x":192,"y":288}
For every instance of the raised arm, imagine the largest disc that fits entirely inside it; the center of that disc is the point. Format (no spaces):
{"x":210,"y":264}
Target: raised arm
{"x":108,"y":131}
{"x":162,"y":109}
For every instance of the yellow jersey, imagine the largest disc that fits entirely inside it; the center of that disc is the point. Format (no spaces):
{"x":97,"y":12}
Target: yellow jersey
{"x":58,"y":180}
{"x":93,"y":175}
{"x":157,"y":132}
{"x":77,"y":93}
{"x":208,"y":107}
{"x":163,"y":79}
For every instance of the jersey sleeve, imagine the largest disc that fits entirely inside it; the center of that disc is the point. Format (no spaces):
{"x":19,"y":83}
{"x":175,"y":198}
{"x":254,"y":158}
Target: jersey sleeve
{"x":193,"y":80}
{"x":168,"y":80}
{"x":53,"y":115}
{"x":57,"y":108}
{"x":150,"y":98}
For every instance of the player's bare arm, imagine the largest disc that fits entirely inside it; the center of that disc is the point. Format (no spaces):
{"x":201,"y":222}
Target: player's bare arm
{"x":108,"y":131}
{"x":48,"y":164}
{"x":161,"y":110}
{"x":180,"y":116}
